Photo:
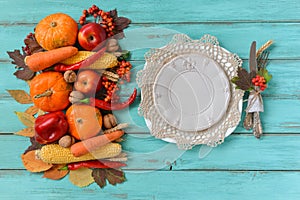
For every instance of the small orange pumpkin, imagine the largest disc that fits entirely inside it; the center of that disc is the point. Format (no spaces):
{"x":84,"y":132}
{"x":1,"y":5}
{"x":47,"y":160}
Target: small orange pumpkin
{"x":56,"y":30}
{"x":50,"y":92}
{"x":84,"y":121}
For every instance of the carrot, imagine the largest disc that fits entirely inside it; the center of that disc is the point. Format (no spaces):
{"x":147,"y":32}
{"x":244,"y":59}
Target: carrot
{"x":85,"y":146}
{"x":42,"y":60}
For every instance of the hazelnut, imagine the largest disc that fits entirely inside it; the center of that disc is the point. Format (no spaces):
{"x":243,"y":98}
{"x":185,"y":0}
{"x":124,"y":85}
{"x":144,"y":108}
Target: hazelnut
{"x":70,"y":76}
{"x":66,"y":141}
{"x":109,"y":121}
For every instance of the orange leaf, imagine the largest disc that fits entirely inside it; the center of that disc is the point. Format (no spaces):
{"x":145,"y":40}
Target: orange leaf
{"x":32,"y":110}
{"x":20,"y":96}
{"x":26,"y":119}
{"x":27,"y":132}
{"x":32,"y":164}
{"x":55,"y":172}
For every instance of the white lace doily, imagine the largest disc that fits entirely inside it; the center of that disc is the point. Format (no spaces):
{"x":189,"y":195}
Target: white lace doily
{"x":157,"y":59}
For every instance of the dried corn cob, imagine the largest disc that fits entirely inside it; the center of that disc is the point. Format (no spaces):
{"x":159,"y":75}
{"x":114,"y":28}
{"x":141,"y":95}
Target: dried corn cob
{"x":107,"y":60}
{"x":81,"y":55}
{"x":111,"y":76}
{"x":118,"y":127}
{"x":55,"y":154}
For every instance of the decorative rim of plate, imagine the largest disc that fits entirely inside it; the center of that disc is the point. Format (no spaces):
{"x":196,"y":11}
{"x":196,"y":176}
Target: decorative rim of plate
{"x":157,"y":58}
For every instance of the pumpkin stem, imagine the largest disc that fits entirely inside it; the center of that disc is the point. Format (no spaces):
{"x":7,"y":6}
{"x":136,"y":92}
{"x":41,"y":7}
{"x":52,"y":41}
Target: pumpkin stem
{"x":53,"y":24}
{"x":47,"y":93}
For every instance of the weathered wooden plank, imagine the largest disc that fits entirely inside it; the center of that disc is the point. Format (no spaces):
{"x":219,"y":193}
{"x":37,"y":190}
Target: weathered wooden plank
{"x":238,"y":152}
{"x":159,"y":185}
{"x":236,"y":37}
{"x":280,"y":116}
{"x":159,"y":11}
{"x":284,"y":84}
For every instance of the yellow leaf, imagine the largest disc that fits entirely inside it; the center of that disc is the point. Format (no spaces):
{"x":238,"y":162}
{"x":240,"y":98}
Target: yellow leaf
{"x":55,"y":172}
{"x":26,"y":119}
{"x":27,"y":132}
{"x":32,"y":110}
{"x":41,"y":112}
{"x":32,"y":164}
{"x":20,"y":96}
{"x":81,"y":177}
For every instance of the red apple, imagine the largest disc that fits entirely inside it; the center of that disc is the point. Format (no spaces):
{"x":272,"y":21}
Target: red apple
{"x":91,"y":35}
{"x":88,"y":82}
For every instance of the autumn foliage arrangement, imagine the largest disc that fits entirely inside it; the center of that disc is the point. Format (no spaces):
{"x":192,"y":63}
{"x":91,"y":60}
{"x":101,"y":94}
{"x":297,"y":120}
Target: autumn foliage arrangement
{"x":74,"y":70}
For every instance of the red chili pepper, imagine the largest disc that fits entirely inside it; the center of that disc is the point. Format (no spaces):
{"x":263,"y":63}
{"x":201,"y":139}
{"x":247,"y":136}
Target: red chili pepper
{"x":103,"y":164}
{"x":115,"y":106}
{"x":81,"y":64}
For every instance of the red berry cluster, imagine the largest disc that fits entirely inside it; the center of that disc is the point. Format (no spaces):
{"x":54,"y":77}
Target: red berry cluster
{"x":124,"y":70}
{"x":107,"y":21}
{"x":26,"y":49}
{"x":260,"y":82}
{"x":111,"y":89}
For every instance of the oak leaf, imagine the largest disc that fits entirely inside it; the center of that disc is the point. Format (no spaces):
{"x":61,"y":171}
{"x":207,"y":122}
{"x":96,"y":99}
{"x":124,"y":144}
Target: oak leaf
{"x":55,"y":172}
{"x":81,"y":177}
{"x":32,"y":164}
{"x":27,"y":132}
{"x":20,"y":96}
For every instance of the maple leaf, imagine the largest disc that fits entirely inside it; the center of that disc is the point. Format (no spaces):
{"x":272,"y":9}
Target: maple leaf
{"x":23,"y":72}
{"x":33,"y":45}
{"x":34,"y":145}
{"x":120,"y":23}
{"x":244,"y":79}
{"x":113,"y":176}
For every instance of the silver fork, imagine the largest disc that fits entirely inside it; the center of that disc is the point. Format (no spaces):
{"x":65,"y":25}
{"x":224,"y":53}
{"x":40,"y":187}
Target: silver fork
{"x":262,"y":60}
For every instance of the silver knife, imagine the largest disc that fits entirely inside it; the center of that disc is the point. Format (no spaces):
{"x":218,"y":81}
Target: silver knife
{"x":257,"y":127}
{"x":248,"y":122}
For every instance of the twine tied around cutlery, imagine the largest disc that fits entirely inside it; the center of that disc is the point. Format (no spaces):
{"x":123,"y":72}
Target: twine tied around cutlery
{"x":255,"y":102}
{"x":254,"y":107}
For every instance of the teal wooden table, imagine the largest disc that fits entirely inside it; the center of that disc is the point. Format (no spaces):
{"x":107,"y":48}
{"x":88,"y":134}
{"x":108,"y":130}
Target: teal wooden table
{"x":243,"y":167}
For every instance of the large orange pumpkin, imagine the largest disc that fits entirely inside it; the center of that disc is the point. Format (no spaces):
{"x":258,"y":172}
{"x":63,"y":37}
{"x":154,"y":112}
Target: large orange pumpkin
{"x":56,"y":30}
{"x":50,"y":92}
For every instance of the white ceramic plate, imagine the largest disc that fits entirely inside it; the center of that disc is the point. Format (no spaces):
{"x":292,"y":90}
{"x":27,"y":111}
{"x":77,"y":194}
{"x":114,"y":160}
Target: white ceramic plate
{"x":191,"y":92}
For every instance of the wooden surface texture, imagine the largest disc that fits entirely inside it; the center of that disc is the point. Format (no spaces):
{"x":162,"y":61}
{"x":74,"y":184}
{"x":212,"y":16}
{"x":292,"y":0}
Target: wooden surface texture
{"x":243,"y":167}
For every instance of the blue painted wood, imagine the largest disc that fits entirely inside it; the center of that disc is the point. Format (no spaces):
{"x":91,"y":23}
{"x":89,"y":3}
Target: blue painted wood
{"x":238,"y":152}
{"x":159,"y":185}
{"x":241,"y":168}
{"x":156,"y":35}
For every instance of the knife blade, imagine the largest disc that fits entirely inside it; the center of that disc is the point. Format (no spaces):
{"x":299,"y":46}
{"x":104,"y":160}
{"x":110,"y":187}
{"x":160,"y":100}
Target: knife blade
{"x":252,"y":58}
{"x":248,"y":122}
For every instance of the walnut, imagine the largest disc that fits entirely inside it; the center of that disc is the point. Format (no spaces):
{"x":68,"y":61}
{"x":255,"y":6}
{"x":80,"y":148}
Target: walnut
{"x":70,"y":76}
{"x":109,"y":121}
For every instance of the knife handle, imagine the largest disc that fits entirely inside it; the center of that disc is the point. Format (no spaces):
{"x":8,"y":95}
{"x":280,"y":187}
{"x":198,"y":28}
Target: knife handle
{"x":257,"y":126}
{"x":248,"y":121}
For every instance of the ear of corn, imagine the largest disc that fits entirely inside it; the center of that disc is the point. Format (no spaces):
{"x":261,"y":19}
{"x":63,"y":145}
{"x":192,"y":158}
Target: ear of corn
{"x":107,"y":60}
{"x":55,"y":154}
